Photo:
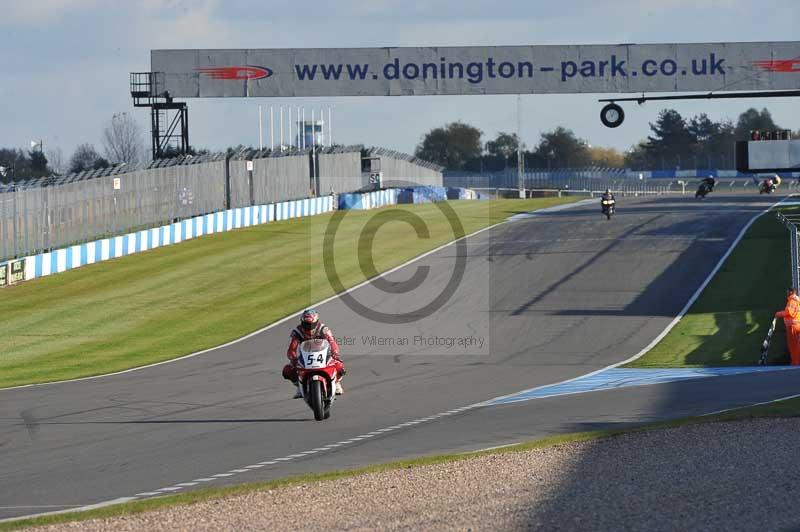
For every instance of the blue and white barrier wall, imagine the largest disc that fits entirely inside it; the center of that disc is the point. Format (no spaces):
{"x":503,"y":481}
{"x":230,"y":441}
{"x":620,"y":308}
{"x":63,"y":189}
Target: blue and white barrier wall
{"x":61,"y":260}
{"x":428,"y":194}
{"x":393,"y":196}
{"x":368,"y":200}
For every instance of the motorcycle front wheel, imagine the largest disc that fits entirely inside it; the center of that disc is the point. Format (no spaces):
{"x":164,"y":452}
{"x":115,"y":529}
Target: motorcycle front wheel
{"x":315,"y":400}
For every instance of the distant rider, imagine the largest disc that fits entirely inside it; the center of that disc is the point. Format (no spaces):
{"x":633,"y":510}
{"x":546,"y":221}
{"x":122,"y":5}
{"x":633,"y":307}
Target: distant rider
{"x":311,"y":328}
{"x":710,"y":182}
{"x":607,"y":196}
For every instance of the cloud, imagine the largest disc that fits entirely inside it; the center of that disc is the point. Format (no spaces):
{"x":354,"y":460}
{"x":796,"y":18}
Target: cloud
{"x":41,"y":12}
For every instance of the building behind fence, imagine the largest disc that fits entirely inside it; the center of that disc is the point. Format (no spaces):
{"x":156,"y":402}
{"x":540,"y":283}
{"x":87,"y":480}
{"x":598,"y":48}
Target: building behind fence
{"x":49,"y":213}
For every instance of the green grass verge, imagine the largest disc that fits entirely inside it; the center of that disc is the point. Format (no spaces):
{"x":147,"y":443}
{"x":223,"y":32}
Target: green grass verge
{"x":728,"y":322}
{"x":788,"y":408}
{"x":176,"y":300}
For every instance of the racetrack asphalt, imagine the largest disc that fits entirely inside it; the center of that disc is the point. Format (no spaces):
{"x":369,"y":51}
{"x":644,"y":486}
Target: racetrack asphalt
{"x":552,"y":296}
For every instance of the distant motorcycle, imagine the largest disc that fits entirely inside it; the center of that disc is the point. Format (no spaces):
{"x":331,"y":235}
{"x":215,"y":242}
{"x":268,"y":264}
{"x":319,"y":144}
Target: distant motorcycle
{"x":703,"y":190}
{"x":316,"y":374}
{"x":608,"y":206}
{"x":706,"y":186}
{"x":767,"y":187}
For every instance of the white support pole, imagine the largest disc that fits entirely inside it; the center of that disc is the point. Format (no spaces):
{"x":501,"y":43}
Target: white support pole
{"x":313,"y":153}
{"x":281,"y":128}
{"x":290,"y":126}
{"x":520,"y":160}
{"x":322,"y":126}
{"x":303,"y":121}
{"x":271,"y":129}
{"x":330,"y":131}
{"x":260,"y":131}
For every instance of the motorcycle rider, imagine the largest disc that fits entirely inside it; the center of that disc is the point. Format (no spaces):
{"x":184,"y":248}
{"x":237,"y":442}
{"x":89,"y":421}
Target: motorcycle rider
{"x":607,"y":196}
{"x":311,"y":328}
{"x":710,"y":182}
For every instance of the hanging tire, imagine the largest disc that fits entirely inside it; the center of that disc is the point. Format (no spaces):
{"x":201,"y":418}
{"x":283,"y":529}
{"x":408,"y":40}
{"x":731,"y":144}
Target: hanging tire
{"x":315,"y":400}
{"x":612,"y":115}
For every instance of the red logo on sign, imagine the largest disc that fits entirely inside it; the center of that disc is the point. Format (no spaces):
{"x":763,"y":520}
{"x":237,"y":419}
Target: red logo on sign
{"x":236,"y":72}
{"x":779,"y":65}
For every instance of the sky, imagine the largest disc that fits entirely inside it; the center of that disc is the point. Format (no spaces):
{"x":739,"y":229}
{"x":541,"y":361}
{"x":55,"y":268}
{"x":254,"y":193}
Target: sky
{"x":65,"y":64}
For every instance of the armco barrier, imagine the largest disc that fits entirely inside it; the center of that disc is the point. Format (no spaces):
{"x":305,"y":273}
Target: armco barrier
{"x":119,"y":246}
{"x":368,"y":200}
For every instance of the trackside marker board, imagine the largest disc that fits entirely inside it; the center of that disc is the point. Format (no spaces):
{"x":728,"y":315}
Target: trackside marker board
{"x":406,"y":71}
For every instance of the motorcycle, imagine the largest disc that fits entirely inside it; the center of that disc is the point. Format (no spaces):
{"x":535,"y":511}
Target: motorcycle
{"x":316,"y":374}
{"x":703,"y":190}
{"x":767,"y":187}
{"x":608,"y":205}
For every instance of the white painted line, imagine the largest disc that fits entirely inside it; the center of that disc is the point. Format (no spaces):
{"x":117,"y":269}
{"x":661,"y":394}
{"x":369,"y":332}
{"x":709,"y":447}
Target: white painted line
{"x":778,"y":400}
{"x":147,"y":494}
{"x":255,"y":466}
{"x":40,"y":506}
{"x":187,"y":484}
{"x":271,"y":462}
{"x":320,"y":449}
{"x":220,"y":475}
{"x":203,"y":480}
{"x":282,"y":459}
{"x":238,"y":471}
{"x":171,"y":488}
{"x":87,"y":507}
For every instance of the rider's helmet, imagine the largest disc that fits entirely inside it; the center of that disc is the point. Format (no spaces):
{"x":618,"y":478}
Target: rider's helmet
{"x":309,"y":319}
{"x":608,"y":191}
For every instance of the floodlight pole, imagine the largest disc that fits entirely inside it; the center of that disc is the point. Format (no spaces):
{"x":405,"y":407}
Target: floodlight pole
{"x":520,"y":159}
{"x":260,"y":131}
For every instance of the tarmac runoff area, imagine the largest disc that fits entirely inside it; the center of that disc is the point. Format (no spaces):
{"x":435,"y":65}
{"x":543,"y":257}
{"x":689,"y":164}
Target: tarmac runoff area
{"x":739,"y":475}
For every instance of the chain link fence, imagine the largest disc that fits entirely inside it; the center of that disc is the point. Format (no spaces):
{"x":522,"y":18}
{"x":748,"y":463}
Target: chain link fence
{"x":54,"y":212}
{"x":49,"y":213}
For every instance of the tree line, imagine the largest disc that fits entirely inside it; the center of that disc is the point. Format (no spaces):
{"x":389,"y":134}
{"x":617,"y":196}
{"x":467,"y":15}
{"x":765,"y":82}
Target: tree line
{"x":674,"y":142}
{"x":122,"y":143}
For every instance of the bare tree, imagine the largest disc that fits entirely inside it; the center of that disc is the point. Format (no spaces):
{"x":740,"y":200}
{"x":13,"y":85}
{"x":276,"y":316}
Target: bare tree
{"x":86,"y":158}
{"x":122,"y":140}
{"x":55,"y":160}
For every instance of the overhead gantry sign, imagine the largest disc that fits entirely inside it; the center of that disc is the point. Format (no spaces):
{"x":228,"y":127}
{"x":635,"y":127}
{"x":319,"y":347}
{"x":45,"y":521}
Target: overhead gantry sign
{"x":718,"y":68}
{"x":426,"y":71}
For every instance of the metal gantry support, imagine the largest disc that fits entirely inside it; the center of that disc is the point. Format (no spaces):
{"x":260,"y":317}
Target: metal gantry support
{"x":790,"y":222}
